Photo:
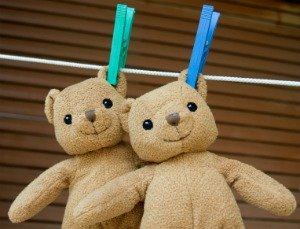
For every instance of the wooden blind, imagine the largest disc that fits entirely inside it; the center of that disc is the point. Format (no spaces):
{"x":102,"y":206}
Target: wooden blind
{"x":259,"y":125}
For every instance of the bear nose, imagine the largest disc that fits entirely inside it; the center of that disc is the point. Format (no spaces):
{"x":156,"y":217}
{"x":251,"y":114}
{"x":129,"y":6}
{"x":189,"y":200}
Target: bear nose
{"x":90,"y":115}
{"x":173,"y":119}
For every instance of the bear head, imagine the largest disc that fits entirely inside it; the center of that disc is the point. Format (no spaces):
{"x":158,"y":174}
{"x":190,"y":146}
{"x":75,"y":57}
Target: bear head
{"x":170,"y":120}
{"x":86,"y":115}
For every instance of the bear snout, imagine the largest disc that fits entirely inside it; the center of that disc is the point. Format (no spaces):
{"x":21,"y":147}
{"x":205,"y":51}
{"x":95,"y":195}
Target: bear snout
{"x":93,"y":121}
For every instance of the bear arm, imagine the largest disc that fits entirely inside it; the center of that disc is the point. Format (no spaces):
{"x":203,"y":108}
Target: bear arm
{"x":257,"y":188}
{"x":41,"y":191}
{"x":115,"y":197}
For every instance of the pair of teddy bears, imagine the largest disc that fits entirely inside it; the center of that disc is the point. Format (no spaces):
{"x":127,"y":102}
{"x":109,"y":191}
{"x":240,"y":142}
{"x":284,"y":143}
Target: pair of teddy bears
{"x":185,"y":186}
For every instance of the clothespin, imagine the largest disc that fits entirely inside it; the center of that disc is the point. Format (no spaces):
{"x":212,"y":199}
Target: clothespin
{"x":205,"y":32}
{"x":120,"y":42}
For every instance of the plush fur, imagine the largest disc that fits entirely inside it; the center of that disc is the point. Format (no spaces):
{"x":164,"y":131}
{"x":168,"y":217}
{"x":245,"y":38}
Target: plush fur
{"x":94,"y":137}
{"x":189,"y":187}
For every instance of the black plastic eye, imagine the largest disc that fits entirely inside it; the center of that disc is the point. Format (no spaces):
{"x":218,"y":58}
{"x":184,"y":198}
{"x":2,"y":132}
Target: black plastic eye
{"x":148,"y":124}
{"x":68,"y":119}
{"x":107,"y":103}
{"x":192,"y":106}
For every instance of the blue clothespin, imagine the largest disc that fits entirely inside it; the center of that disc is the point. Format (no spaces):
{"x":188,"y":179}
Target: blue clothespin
{"x":204,"y":36}
{"x":120,"y":42}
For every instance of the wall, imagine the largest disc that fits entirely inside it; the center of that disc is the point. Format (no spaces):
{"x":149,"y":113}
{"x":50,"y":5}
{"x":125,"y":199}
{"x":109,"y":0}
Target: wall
{"x":258,"y":125}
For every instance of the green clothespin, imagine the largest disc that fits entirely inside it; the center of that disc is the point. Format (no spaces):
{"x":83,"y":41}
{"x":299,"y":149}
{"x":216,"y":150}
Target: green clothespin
{"x":120,"y":42}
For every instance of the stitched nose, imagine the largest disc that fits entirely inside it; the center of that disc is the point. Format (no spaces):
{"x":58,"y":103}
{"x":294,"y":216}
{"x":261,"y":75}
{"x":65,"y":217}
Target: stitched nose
{"x":173,"y":119}
{"x":90,"y":115}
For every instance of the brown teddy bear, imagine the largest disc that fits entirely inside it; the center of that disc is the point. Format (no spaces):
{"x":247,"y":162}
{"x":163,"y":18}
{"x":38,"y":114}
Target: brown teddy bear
{"x":87,"y":125}
{"x":190,"y":187}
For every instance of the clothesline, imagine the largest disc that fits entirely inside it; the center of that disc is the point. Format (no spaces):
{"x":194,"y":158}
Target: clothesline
{"x":148,"y":72}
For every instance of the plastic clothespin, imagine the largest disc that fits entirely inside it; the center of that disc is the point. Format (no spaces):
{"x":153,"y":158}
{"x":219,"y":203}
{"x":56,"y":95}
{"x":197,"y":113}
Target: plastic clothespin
{"x":120,"y":42}
{"x":205,"y":32}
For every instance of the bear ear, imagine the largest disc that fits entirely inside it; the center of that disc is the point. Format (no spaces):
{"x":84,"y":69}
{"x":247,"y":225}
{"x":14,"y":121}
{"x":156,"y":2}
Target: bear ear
{"x":121,"y":87}
{"x":125,"y":108}
{"x":49,"y":102}
{"x":201,"y":83}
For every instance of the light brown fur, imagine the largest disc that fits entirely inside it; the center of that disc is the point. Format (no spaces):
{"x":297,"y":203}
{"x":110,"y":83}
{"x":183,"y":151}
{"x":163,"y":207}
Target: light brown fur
{"x":189,"y":187}
{"x":99,"y":153}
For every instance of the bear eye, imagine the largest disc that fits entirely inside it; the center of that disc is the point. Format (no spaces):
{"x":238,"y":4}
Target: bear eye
{"x":68,"y":119}
{"x":192,"y":106}
{"x":107,"y":103}
{"x":147,"y":124}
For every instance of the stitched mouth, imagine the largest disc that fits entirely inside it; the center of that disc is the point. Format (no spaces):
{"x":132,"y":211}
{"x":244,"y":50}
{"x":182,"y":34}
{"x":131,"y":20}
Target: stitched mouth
{"x":179,"y":139}
{"x":95,"y":132}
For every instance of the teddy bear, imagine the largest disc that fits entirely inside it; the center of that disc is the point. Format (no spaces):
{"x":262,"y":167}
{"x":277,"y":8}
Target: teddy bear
{"x":87,"y":126}
{"x":188,"y":187}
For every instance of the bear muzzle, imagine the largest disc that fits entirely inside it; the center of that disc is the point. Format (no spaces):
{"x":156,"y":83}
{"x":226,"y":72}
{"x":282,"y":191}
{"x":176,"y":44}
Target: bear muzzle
{"x":94,"y":122}
{"x":176,"y":126}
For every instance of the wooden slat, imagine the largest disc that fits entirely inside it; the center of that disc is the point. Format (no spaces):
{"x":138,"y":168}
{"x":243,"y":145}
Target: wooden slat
{"x":18,"y":107}
{"x":270,"y":165}
{"x":169,"y":11}
{"x":290,"y":182}
{"x":250,"y":211}
{"x":257,"y":120}
{"x":28,"y":142}
{"x":89,"y":40}
{"x":279,"y":6}
{"x":190,"y":41}
{"x":258,"y":134}
{"x":245,"y":104}
{"x":39,"y":78}
{"x":88,"y":54}
{"x":13,"y":157}
{"x":33,"y":48}
{"x":218,"y":58}
{"x":263,"y":224}
{"x":255,"y":149}
{"x":27,"y":126}
{"x":15,"y":175}
{"x":86,"y":11}
{"x":29,"y":225}
{"x":145,"y":33}
{"x":254,"y":13}
{"x":273,"y":4}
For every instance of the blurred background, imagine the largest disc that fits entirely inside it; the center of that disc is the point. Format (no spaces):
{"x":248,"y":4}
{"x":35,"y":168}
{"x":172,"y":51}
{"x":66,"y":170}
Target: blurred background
{"x":259,"y":125}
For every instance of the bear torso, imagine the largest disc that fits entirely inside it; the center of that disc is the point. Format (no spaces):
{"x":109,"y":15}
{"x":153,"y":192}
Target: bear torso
{"x":93,"y":170}
{"x":188,"y":191}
